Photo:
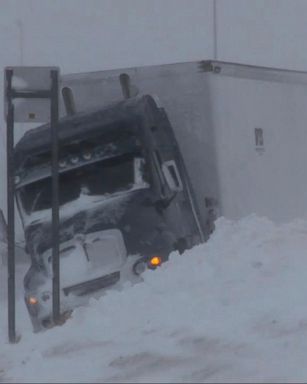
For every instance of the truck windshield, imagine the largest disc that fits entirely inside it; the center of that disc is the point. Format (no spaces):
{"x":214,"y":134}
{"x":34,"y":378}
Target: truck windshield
{"x":100,"y":178}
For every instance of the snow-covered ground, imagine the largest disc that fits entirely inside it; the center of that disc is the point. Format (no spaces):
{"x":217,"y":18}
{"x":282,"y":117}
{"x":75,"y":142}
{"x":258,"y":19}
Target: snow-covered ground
{"x":233,"y":309}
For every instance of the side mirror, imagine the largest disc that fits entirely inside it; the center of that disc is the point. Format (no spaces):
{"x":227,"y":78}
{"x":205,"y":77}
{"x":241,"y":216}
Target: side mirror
{"x":172,"y":176}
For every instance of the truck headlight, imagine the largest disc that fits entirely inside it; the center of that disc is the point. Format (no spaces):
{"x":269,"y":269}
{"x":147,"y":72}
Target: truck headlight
{"x":32,"y":300}
{"x":139,"y":267}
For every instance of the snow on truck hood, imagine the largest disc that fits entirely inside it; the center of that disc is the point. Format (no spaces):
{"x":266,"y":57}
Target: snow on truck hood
{"x":233,"y":309}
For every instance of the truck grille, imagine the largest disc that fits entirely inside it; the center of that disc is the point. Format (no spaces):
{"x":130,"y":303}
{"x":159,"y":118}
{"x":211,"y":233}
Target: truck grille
{"x":92,"y":285}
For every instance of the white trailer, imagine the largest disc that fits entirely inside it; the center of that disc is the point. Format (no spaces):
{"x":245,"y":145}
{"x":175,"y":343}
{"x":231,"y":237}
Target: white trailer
{"x":242,"y":129}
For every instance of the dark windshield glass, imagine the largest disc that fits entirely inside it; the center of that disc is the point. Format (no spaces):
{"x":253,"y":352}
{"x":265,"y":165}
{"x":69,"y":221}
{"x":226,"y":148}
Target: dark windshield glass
{"x":108,"y":176}
{"x":100,"y":178}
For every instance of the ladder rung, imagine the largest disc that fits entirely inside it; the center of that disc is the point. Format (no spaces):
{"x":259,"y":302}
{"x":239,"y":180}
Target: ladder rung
{"x":31,"y":94}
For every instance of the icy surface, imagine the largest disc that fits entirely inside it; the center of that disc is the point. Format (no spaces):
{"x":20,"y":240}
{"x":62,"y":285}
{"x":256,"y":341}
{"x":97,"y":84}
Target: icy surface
{"x":233,"y":309}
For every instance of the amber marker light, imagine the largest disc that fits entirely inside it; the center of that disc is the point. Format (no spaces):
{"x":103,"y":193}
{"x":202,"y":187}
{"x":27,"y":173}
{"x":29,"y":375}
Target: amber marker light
{"x":32,"y":300}
{"x":155,"y":261}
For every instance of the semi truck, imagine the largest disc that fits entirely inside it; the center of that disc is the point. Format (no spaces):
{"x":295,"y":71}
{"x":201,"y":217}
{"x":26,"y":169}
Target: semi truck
{"x":149,"y":158}
{"x":125,"y":199}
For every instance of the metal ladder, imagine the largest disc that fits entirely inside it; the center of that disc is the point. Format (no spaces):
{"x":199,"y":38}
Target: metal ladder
{"x":37,"y":83}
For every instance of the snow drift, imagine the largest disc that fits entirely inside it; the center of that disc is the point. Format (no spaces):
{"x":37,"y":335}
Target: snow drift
{"x":233,"y":309}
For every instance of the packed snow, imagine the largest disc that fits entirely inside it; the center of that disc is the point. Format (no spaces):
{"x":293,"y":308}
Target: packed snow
{"x":233,"y":309}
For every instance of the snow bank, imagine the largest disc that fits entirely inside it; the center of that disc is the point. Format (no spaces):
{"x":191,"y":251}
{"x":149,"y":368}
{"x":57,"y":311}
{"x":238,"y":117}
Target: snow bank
{"x":233,"y":309}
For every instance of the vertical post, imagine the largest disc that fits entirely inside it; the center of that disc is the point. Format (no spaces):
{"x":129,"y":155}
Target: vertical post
{"x":54,"y":117}
{"x":3,"y":239}
{"x":10,"y":207}
{"x":124,"y":79}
